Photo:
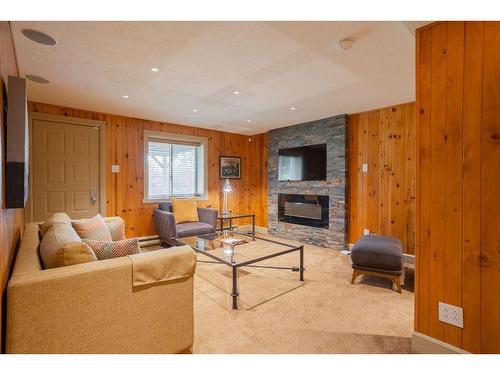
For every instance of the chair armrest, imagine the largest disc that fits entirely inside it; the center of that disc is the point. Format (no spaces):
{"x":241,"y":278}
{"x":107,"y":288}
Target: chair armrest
{"x":208,"y":215}
{"x":165,"y":225}
{"x":94,"y":308}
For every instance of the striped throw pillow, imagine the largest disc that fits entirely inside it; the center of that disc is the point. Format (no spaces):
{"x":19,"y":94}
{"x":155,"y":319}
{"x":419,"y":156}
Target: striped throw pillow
{"x":93,"y":229}
{"x":114,"y":249}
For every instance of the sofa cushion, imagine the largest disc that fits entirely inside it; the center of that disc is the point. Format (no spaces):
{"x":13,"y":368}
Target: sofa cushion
{"x":93,"y":229}
{"x":61,"y":246}
{"x":58,"y":217}
{"x":193,"y":229}
{"x":378,"y":252}
{"x":116,"y":226}
{"x":114,"y":249}
{"x":185,"y":210}
{"x":379,"y":270}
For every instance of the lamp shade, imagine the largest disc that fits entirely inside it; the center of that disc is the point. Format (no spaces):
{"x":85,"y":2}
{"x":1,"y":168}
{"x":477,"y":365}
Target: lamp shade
{"x":227,"y":187}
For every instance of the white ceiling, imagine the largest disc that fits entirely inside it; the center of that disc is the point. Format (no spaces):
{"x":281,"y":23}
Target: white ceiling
{"x":274,"y":65}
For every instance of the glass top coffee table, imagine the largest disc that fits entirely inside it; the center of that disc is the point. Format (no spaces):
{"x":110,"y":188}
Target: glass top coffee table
{"x":226,"y":220}
{"x":247,"y":253}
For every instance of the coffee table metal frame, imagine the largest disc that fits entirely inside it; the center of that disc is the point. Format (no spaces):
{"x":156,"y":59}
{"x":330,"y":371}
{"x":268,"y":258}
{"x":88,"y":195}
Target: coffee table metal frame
{"x":232,"y":216}
{"x":251,"y":262}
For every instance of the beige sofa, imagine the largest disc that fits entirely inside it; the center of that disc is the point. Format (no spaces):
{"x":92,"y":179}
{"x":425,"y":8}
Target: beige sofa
{"x":137,"y":304}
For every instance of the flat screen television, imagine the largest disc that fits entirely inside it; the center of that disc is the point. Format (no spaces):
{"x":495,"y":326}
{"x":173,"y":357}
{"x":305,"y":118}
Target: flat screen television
{"x":305,"y":163}
{"x":17,"y":144}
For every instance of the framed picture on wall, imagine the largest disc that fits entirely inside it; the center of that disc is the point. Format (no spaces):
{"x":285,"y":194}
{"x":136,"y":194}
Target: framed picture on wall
{"x":230,"y":167}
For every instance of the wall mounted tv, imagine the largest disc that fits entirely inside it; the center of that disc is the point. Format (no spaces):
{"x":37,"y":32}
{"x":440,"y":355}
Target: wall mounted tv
{"x":306,"y":163}
{"x":17,"y":145}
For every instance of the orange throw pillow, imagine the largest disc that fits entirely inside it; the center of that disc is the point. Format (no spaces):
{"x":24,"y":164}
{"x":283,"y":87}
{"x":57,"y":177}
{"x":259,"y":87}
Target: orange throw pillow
{"x":185,"y":210}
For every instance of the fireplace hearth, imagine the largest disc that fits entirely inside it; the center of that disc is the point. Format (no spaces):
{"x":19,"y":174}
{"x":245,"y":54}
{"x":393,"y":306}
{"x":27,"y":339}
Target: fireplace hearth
{"x":304,"y":209}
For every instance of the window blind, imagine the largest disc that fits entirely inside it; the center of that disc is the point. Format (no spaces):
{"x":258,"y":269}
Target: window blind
{"x":175,"y":168}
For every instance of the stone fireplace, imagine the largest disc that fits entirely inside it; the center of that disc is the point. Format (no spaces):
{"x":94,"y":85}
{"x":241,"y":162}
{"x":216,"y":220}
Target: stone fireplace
{"x":302,"y":209}
{"x":312,"y":212}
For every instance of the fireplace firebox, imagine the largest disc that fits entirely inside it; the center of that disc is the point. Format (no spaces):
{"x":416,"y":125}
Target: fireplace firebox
{"x":304,"y":209}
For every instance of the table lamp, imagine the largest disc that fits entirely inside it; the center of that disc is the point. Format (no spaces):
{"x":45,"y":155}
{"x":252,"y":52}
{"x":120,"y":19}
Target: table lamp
{"x":226,"y":189}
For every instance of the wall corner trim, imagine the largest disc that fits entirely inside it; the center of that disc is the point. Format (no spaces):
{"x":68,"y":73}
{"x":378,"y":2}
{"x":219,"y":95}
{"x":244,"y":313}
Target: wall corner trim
{"x":423,"y":344}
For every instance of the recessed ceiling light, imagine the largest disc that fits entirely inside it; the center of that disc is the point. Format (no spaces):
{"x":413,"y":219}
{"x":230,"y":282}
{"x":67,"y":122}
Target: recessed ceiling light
{"x":155,"y":69}
{"x":236,"y":92}
{"x":195,"y":110}
{"x":125,"y":96}
{"x":249,"y":120}
{"x":38,"y":37}
{"x":36,"y":79}
{"x":345,"y":44}
{"x":292,"y":108}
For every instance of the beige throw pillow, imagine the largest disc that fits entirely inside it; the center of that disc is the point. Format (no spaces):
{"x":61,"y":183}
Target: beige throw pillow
{"x":61,"y":246}
{"x":93,"y":229}
{"x":116,"y":226}
{"x":58,"y":217}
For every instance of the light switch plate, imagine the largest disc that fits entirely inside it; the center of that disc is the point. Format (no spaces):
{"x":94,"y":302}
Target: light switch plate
{"x":364,"y":167}
{"x":115,"y":168}
{"x":451,"y":314}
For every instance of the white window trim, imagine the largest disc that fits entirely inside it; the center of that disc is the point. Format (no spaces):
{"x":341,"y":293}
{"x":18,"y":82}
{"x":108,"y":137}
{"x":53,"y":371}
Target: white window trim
{"x":148,"y":134}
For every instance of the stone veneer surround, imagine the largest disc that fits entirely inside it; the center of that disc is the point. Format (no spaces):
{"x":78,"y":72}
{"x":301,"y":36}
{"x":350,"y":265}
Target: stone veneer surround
{"x":333,"y":132}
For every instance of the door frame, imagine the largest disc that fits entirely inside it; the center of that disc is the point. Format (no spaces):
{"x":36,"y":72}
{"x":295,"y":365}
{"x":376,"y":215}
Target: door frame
{"x":67,"y":120}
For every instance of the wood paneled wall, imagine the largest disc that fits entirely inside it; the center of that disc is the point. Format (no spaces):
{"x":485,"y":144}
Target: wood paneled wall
{"x":382,"y":199}
{"x":124,"y":146}
{"x":458,"y":182}
{"x":12,"y":220}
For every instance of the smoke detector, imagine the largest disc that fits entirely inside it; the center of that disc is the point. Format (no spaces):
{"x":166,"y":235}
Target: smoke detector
{"x":345,"y":44}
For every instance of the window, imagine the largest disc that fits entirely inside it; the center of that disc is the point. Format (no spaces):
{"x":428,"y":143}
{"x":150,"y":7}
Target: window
{"x":174,"y":166}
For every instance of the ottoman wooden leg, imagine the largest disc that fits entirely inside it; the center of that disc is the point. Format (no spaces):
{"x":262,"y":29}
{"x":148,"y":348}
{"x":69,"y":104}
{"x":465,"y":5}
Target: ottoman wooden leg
{"x":397,"y":281}
{"x":355,"y":274}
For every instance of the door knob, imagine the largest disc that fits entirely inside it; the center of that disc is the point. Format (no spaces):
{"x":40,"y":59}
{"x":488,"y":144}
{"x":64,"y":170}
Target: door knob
{"x":93,"y":195}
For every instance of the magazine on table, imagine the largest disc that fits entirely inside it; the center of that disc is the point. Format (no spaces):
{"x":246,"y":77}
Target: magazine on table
{"x":231,"y":241}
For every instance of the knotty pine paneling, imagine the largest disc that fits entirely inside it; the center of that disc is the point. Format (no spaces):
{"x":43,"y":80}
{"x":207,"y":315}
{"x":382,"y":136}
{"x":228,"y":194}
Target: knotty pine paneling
{"x":490,"y":194}
{"x":124,"y":146}
{"x":458,"y":182}
{"x":12,"y":220}
{"x":383,"y":199}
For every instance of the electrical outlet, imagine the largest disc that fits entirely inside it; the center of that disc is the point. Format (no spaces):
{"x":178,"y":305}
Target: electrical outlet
{"x":450,"y":314}
{"x":115,"y":168}
{"x":364,"y":167}
{"x":366,"y":232}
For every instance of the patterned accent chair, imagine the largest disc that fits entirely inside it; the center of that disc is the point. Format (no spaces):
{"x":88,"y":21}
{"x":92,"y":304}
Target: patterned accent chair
{"x":168,"y":230}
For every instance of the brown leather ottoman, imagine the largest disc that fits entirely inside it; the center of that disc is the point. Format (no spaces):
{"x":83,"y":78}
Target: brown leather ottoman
{"x":378,"y":256}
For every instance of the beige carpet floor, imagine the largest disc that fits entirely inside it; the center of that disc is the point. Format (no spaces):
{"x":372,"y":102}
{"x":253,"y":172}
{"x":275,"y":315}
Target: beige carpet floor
{"x":280,"y":314}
